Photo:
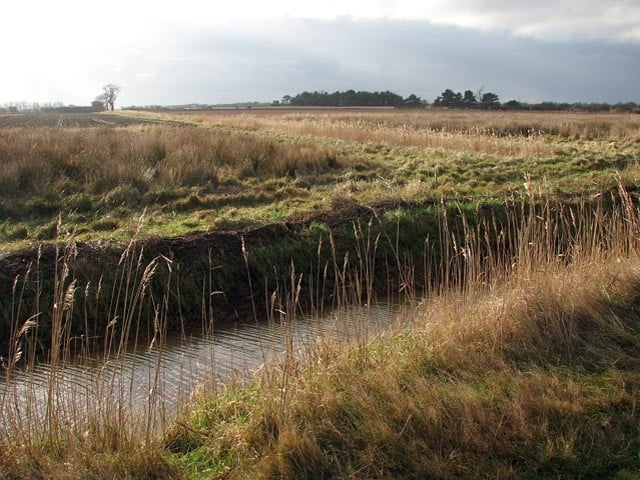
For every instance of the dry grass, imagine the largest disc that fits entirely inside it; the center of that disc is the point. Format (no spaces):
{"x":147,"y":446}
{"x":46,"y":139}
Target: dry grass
{"x":529,"y":372}
{"x":98,"y":160}
{"x":61,"y":417}
{"x":522,"y":362}
{"x":221,"y":169}
{"x":513,"y":134}
{"x":103,"y":179}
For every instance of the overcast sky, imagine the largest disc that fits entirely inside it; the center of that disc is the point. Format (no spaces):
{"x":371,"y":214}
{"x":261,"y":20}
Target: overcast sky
{"x":198,"y":51}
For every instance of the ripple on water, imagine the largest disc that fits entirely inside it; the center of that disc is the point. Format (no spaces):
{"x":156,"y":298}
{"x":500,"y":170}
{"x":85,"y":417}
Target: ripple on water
{"x":165,"y":376}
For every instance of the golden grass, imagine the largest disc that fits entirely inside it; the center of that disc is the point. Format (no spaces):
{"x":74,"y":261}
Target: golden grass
{"x":441,"y":403}
{"x":526,"y":369}
{"x":220,"y":169}
{"x":521,"y":361}
{"x":523,"y":386}
{"x":521,"y":366}
{"x":71,"y":419}
{"x":98,"y":160}
{"x":514,"y":134}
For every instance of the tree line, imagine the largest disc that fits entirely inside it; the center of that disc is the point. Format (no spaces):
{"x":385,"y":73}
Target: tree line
{"x":447,"y":99}
{"x":349,"y":98}
{"x":469,"y":99}
{"x":46,"y":107}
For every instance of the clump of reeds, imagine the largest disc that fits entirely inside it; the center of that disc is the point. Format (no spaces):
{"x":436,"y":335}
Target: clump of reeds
{"x":524,"y":363}
{"x":59,"y":414}
{"x":519,"y":134}
{"x":98,"y":160}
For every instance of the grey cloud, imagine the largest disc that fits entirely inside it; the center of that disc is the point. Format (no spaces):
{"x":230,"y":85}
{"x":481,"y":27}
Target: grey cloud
{"x":287,"y":57}
{"x":563,"y":19}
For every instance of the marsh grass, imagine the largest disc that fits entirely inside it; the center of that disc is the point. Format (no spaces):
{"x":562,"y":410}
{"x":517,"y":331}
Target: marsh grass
{"x":98,"y":160}
{"x":494,"y":133}
{"x":521,"y":362}
{"x":68,"y":394}
{"x":61,"y":414}
{"x":219,"y":169}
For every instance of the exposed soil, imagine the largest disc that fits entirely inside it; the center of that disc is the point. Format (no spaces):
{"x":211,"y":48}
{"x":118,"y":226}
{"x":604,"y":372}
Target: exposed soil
{"x":229,"y":243}
{"x":69,"y":120}
{"x":189,"y":246}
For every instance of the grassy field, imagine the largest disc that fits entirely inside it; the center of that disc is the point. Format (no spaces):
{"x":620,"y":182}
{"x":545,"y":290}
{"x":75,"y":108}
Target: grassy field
{"x":536,"y":378}
{"x":230,"y":169}
{"x":512,"y":237}
{"x":522,"y":362}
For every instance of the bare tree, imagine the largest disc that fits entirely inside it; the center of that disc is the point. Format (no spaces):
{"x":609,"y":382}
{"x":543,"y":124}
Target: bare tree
{"x":108,"y":96}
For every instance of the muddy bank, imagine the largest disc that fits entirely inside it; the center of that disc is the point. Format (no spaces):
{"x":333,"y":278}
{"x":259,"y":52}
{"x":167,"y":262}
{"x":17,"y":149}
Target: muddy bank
{"x":94,"y":289}
{"x":217,"y":276}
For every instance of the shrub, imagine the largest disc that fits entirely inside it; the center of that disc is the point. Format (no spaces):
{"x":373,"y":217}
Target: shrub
{"x":123,"y":196}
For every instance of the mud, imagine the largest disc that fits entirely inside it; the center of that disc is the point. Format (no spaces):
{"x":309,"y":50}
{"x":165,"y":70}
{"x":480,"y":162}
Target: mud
{"x":68,"y":120}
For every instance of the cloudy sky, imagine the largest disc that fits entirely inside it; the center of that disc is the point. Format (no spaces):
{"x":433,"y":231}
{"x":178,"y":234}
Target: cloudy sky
{"x":199,"y":51}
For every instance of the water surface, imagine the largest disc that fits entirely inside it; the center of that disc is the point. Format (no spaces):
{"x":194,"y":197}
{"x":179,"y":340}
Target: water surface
{"x":153,"y":382}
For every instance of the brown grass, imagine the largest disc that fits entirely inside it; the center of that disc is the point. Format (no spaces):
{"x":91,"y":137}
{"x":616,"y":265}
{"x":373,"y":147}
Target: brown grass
{"x":529,"y":370}
{"x":514,"y":134}
{"x":512,"y":367}
{"x":231,"y":168}
{"x":98,"y":160}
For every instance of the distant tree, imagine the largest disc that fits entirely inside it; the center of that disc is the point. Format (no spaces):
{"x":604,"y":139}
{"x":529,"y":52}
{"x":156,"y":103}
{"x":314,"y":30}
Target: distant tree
{"x":412,"y":101}
{"x":108,"y":96}
{"x":449,"y":98}
{"x":348,"y":98}
{"x":490,"y":100}
{"x":512,"y":104}
{"x":469,"y":99}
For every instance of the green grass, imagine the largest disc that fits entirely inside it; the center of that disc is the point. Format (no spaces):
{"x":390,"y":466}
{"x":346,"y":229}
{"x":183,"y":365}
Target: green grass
{"x":521,"y":361}
{"x":200,"y":176}
{"x":448,"y":398}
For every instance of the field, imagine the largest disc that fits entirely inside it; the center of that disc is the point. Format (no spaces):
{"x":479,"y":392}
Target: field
{"x":511,"y":238}
{"x":232,"y":169}
{"x":67,"y":120}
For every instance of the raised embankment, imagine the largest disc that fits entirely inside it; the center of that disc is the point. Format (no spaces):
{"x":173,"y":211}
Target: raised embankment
{"x":83,"y":290}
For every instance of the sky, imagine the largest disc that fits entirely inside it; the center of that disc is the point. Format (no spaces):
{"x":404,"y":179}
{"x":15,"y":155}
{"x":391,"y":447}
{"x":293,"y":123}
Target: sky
{"x":197,"y":51}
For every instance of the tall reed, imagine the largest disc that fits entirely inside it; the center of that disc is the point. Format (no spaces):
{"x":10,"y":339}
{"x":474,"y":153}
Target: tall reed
{"x":53,"y":398}
{"x":525,"y":341}
{"x":494,"y":133}
{"x":474,"y":253}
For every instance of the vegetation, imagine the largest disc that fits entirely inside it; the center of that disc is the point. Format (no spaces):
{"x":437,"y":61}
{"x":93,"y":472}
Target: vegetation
{"x":108,"y":97}
{"x":469,"y":100}
{"x":525,"y":383}
{"x":176,"y":173}
{"x":512,"y":239}
{"x":349,"y":98}
{"x":237,"y":171}
{"x":250,"y":167}
{"x":448,"y":98}
{"x":521,"y":362}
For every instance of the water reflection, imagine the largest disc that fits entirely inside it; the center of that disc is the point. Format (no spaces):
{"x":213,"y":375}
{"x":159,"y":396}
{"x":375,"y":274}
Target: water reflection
{"x":156,"y":381}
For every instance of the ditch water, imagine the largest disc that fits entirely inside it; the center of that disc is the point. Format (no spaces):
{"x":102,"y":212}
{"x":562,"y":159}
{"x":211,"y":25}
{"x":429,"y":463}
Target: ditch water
{"x":153,"y":382}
